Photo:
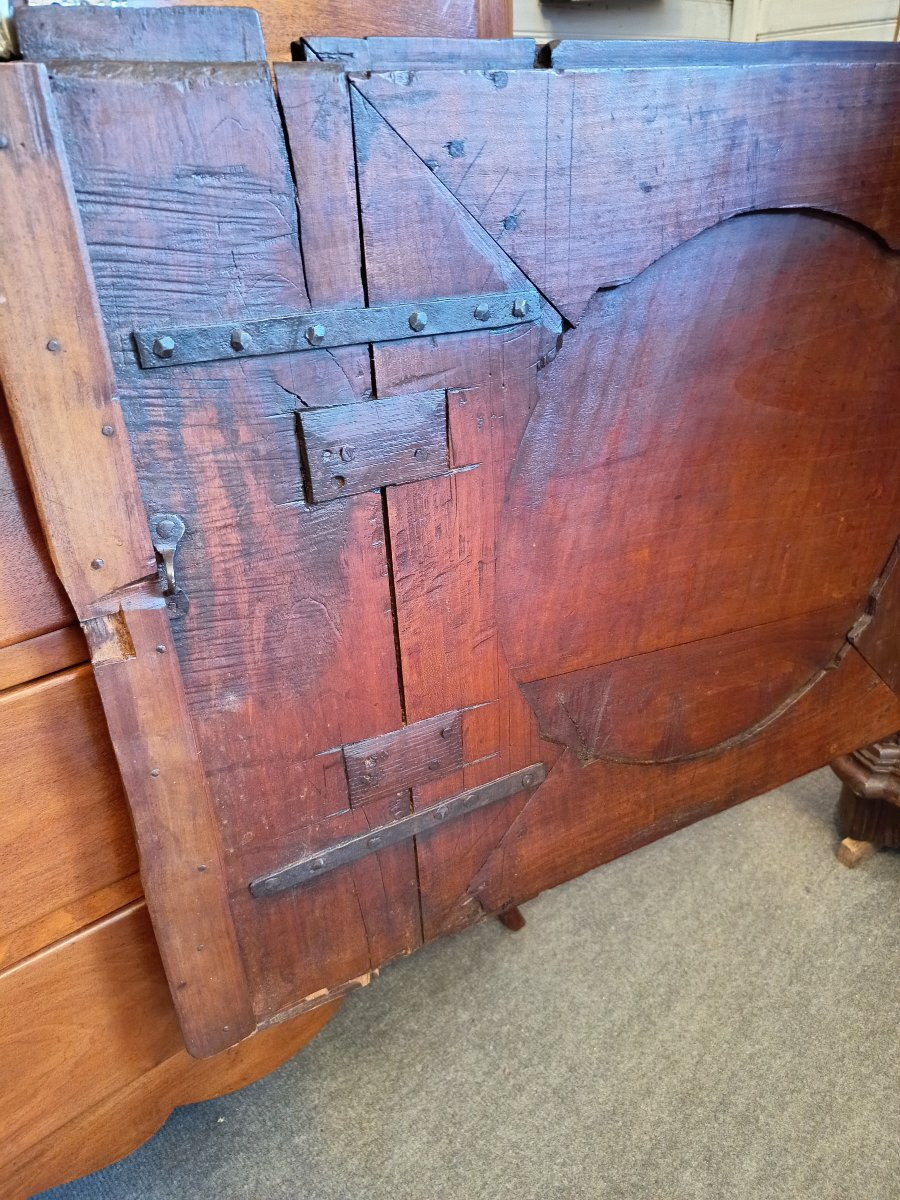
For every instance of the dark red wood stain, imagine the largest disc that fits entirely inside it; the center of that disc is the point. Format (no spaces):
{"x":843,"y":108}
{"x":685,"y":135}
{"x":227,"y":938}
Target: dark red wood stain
{"x":652,"y":552}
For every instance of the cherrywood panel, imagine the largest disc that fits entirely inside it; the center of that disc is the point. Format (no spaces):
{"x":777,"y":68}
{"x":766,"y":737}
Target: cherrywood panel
{"x":352,"y":448}
{"x":200,"y":34}
{"x":580,"y":201}
{"x":64,"y":827}
{"x":285,"y":641}
{"x":54,"y":361}
{"x":92,"y":1059}
{"x":182,"y":870}
{"x":687,"y":700}
{"x":395,"y":762}
{"x":42,"y":655}
{"x":83,"y":488}
{"x":879,"y":640}
{"x":407,"y":53}
{"x":32,"y":600}
{"x":419,"y":242}
{"x":585,"y":815}
{"x":711,"y":412}
{"x":315,"y":106}
{"x":305,"y":944}
{"x":566,"y":55}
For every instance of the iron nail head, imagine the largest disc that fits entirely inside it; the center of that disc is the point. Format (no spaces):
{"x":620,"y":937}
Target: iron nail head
{"x":418,"y":320}
{"x":520,"y":308}
{"x":97,"y":564}
{"x":240,"y":340}
{"x":107,"y":431}
{"x":164,"y":347}
{"x":315,"y":334}
{"x":482,"y":313}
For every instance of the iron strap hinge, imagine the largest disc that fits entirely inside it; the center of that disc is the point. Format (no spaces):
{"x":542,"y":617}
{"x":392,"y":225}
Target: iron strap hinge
{"x":313,"y":329}
{"x":315,"y":865}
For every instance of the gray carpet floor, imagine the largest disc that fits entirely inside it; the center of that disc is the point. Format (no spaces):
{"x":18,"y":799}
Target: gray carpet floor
{"x":714,"y":1017}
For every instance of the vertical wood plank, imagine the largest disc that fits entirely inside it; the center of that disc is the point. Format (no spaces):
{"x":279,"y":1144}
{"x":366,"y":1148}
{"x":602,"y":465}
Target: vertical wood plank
{"x":286,"y":641}
{"x":315,"y":105}
{"x":54,"y":361}
{"x":58,"y":377}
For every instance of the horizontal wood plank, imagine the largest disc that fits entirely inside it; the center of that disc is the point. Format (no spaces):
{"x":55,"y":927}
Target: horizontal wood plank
{"x":92,"y":1058}
{"x":42,"y":655}
{"x":354,"y":448}
{"x":584,"y":178}
{"x":396,"y":762}
{"x":197,"y":34}
{"x":569,"y":55}
{"x":65,"y":834}
{"x":407,"y":53}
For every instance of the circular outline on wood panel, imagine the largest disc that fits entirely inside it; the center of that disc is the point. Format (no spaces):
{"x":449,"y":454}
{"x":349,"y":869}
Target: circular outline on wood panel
{"x":770,"y":296}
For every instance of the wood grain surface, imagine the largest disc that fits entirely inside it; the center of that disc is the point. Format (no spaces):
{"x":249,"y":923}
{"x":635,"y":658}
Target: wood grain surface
{"x":726,"y":416}
{"x":32,"y":600}
{"x":77,"y":455}
{"x":581,"y":201}
{"x":92,"y":1057}
{"x":54,"y":360}
{"x":652,"y":530}
{"x":145,"y":34}
{"x":42,"y":655}
{"x":354,"y":448}
{"x":65,"y":834}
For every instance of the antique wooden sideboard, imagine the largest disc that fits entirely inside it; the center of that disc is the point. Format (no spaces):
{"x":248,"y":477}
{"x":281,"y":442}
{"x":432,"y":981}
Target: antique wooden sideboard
{"x":458,"y":468}
{"x":91,"y":1055}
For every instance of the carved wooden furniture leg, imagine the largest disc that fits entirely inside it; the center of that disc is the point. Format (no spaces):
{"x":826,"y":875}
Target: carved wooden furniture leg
{"x":512,"y":918}
{"x":868,"y":813}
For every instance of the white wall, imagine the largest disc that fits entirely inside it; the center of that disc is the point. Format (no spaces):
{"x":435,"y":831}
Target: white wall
{"x":746,"y":20}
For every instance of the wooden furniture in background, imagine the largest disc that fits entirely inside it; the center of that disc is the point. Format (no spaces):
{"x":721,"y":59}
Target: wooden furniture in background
{"x":91,"y":1054}
{"x":618,"y":546}
{"x":869,"y":808}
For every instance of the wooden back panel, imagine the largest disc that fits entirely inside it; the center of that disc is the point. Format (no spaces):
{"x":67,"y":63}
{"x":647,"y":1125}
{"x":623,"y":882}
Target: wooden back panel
{"x":284,"y":21}
{"x":649,"y":512}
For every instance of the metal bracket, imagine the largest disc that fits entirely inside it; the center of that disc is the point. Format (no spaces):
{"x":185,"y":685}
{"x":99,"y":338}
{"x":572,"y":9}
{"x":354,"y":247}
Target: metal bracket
{"x":326,"y":329}
{"x":166,"y":531}
{"x":315,"y":865}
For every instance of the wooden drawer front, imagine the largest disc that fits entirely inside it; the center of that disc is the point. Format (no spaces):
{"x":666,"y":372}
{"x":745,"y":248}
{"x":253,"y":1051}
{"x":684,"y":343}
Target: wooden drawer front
{"x":81,"y":1020}
{"x":92,"y":1059}
{"x":67,"y":852}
